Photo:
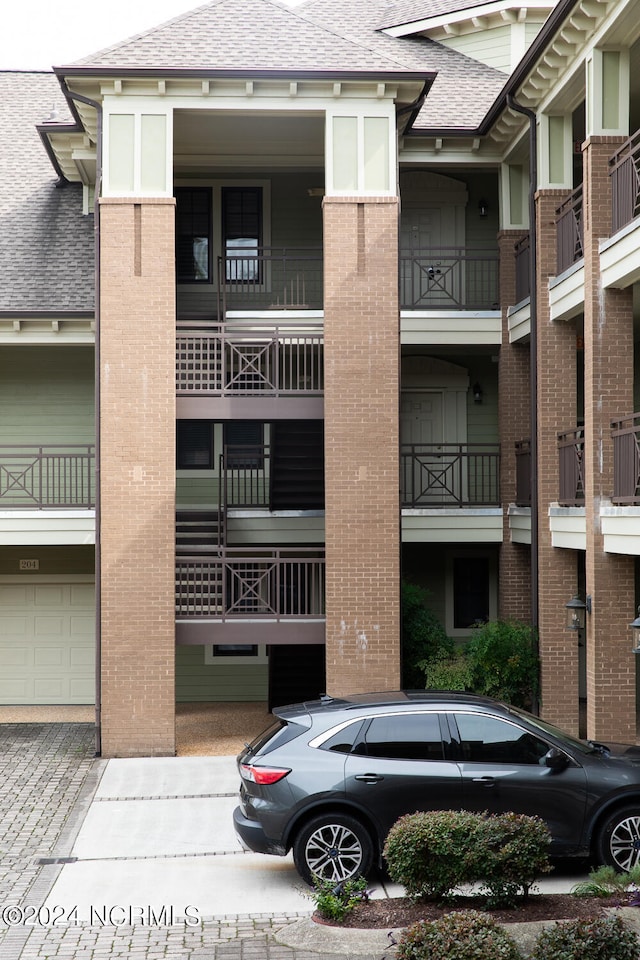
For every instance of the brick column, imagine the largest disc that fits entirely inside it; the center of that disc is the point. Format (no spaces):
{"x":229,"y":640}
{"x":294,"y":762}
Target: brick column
{"x":514,"y":409}
{"x":362,"y":471}
{"x":557,"y":411}
{"x":137,"y":476}
{"x":608,"y":389}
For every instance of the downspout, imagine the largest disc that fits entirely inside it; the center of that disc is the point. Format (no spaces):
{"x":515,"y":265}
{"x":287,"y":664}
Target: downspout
{"x":533,"y":300}
{"x":96,"y":229}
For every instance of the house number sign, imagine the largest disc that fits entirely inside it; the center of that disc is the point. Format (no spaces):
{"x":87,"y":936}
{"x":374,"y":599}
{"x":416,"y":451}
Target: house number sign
{"x":29,"y":564}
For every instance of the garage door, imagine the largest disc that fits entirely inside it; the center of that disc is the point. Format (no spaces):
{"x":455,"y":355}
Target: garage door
{"x":47,"y":648}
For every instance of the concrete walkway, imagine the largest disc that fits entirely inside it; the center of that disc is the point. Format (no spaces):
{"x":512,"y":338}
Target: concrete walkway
{"x":137,"y":858}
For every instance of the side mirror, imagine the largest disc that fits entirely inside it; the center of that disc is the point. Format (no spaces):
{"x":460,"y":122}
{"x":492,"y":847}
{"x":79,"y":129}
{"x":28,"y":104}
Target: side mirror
{"x":555,"y":759}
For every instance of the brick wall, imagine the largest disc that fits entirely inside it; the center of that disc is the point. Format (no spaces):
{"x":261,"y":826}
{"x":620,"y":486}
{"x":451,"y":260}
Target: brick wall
{"x":137,"y":476}
{"x":608,"y":355}
{"x":514,"y":407}
{"x":361,"y":402}
{"x":557,"y":411}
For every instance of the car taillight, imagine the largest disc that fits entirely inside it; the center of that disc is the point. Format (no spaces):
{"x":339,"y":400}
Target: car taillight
{"x":263,"y":774}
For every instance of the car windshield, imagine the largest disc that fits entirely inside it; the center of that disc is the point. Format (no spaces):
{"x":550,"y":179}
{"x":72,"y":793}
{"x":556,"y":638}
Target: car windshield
{"x":543,"y":726}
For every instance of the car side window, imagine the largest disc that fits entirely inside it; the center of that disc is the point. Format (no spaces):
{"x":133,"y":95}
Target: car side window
{"x":492,"y":740}
{"x":343,"y":740}
{"x":403,"y":737}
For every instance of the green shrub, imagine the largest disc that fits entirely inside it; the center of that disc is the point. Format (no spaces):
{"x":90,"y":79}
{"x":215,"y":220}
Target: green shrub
{"x":335,"y":900}
{"x":606,"y":882}
{"x":467,"y":935}
{"x":434,"y":852}
{"x":505,"y":662}
{"x":448,"y":673}
{"x":516,"y":853}
{"x":423,"y":636}
{"x":602,"y":938}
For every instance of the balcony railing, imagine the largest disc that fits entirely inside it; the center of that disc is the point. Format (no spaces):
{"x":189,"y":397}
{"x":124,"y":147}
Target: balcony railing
{"x":270,"y":278}
{"x":569,"y":231}
{"x":523,"y":269}
{"x":625,"y":183}
{"x":571,"y":467}
{"x":246,"y":476}
{"x":263,"y":585}
{"x":626,"y":460}
{"x":523,"y":473}
{"x":450,"y":474}
{"x":266,"y":359}
{"x":47,"y":476}
{"x":449,"y":278}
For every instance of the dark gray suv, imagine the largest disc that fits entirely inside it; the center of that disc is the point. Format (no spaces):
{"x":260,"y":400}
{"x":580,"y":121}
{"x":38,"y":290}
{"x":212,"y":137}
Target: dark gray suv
{"x":329,"y":778}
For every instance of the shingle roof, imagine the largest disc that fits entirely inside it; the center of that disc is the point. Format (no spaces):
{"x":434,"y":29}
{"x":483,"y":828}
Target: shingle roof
{"x":46,"y":244}
{"x":464,"y":88}
{"x":335,"y":36}
{"x":250,"y":35}
{"x":410,"y":11}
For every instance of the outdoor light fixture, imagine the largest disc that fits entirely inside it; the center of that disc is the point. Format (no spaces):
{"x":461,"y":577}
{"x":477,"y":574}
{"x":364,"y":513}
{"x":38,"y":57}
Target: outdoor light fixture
{"x":635,"y":633}
{"x":483,"y":208}
{"x":477,"y":392}
{"x":576,"y":611}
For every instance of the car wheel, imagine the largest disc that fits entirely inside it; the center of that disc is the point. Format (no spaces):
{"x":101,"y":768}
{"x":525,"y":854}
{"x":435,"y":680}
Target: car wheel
{"x":333,"y":847}
{"x":619,"y":840}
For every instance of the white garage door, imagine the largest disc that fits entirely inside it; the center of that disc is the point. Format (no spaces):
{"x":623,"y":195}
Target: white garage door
{"x":47,"y":645}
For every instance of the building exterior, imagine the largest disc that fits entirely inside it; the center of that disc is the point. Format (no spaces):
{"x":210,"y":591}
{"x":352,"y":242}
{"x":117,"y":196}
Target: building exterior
{"x":296,"y":302}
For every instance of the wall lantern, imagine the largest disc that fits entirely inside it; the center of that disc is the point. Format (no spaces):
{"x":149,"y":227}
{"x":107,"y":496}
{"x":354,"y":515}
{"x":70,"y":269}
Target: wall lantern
{"x":635,"y":633}
{"x":477,"y":392}
{"x":576,"y":611}
{"x":483,"y":208}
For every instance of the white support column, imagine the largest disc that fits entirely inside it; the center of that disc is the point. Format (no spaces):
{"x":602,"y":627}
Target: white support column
{"x":361,"y":149}
{"x":514,"y":195}
{"x":555,"y":171}
{"x":608,"y":96}
{"x":138,"y":155}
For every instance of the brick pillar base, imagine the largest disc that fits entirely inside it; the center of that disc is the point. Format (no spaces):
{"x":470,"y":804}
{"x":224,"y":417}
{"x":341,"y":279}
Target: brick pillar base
{"x":137,"y":477}
{"x":361,"y":404}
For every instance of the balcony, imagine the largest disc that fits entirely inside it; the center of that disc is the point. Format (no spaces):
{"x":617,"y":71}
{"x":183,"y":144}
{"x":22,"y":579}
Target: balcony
{"x":625,"y":183}
{"x":271,"y":278}
{"x":523,"y":269}
{"x":626,"y":461}
{"x":450,"y":475}
{"x":571,"y":467}
{"x":279,"y":592}
{"x":263,"y":359}
{"x":47,"y":477}
{"x":569,"y":231}
{"x":448,"y":278}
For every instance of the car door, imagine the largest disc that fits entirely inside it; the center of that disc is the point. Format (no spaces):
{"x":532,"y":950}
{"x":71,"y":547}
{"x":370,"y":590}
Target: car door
{"x":400,"y":765}
{"x":503,"y":769}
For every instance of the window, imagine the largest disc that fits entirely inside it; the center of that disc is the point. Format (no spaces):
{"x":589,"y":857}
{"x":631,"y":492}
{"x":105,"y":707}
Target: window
{"x":471,"y":590}
{"x":247,"y":436}
{"x":491,"y":740}
{"x":194,"y":445}
{"x":236,"y":653}
{"x":193,"y":234}
{"x":405,"y":737}
{"x":242,"y":232}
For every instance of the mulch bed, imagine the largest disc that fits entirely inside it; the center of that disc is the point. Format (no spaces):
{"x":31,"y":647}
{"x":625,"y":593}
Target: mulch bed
{"x":402,"y":912}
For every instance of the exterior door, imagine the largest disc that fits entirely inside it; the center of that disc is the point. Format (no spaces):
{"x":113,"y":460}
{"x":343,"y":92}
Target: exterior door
{"x":430,"y":475}
{"x":430,"y":268}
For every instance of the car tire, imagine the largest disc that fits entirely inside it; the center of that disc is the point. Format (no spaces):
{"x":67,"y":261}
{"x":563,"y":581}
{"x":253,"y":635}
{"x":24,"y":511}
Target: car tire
{"x":333,"y":847}
{"x":619,"y":839}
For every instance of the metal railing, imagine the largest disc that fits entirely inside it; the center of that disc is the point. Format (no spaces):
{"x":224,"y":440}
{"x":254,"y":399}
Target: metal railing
{"x":47,"y":476}
{"x":271,"y":278}
{"x":523,"y":269}
{"x":450,"y":474}
{"x":268,"y":585}
{"x":571,"y":467}
{"x":569,"y":231}
{"x":523,"y":473}
{"x":625,"y":183}
{"x":272,"y":359}
{"x":245,"y":472}
{"x":626,"y":460}
{"x":449,"y":278}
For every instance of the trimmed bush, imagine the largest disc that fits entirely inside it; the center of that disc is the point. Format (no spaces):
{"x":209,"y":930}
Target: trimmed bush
{"x":505,"y":661}
{"x":464,"y":935}
{"x":602,"y":938}
{"x":434,"y":852}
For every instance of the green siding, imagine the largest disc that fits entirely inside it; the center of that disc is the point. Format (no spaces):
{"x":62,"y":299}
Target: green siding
{"x":197,"y":681}
{"x":492,"y":47}
{"x":46,"y":395}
